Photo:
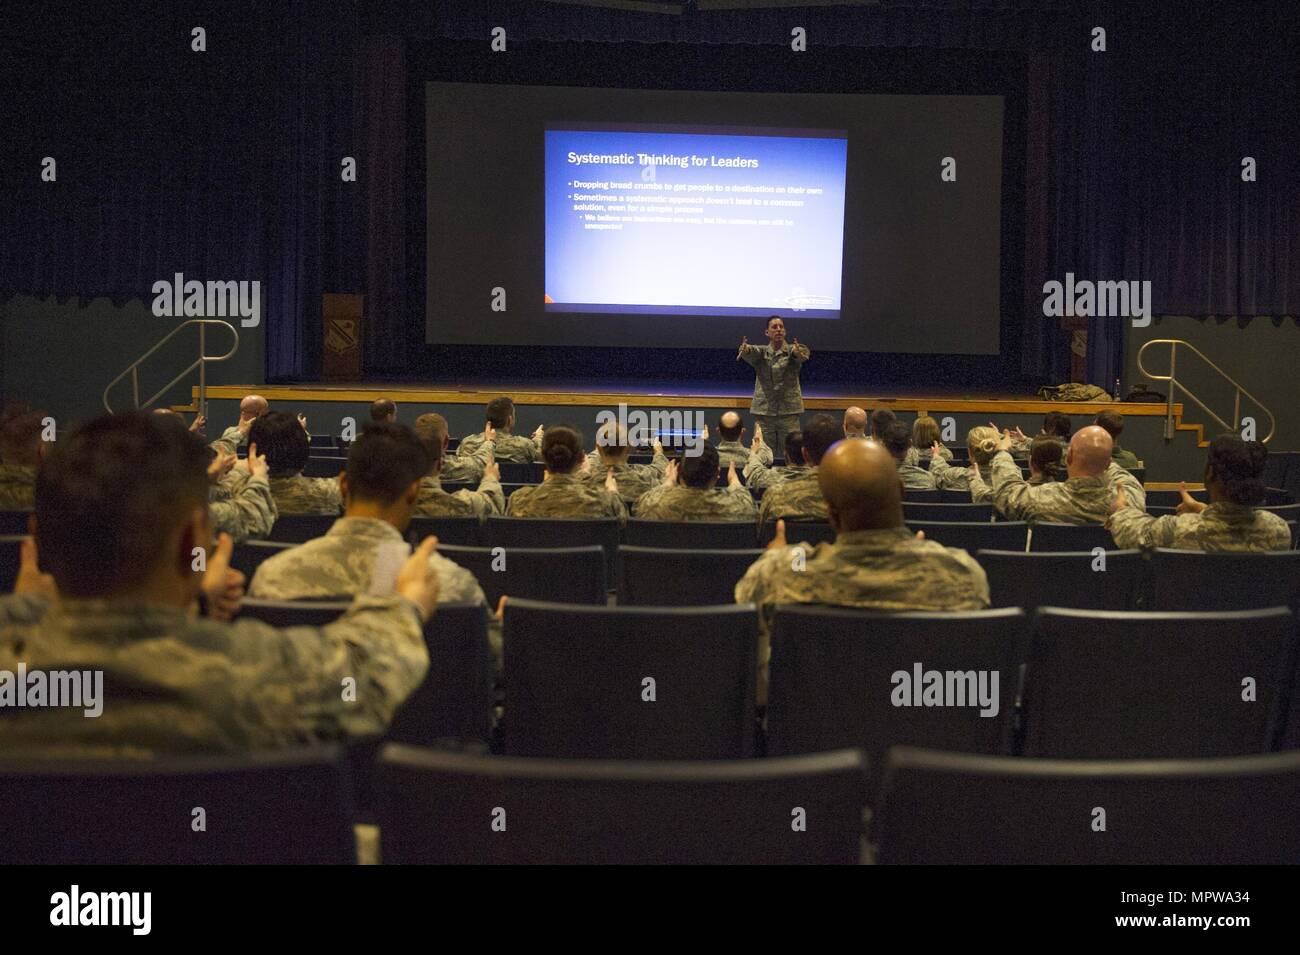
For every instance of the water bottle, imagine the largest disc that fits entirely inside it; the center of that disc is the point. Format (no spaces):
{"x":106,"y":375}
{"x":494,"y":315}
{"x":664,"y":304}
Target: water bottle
{"x":1117,"y":397}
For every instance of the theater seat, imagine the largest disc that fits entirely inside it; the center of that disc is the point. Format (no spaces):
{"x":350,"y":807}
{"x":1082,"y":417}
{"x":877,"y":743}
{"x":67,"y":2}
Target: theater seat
{"x":291,"y":807}
{"x":796,"y":532}
{"x":248,"y":555}
{"x":834,"y":679}
{"x":324,"y":466}
{"x":973,"y":536}
{"x":16,"y":522}
{"x":463,"y":531}
{"x":684,"y":535}
{"x":300,"y":528}
{"x":972,"y":513}
{"x":1050,"y":537}
{"x":511,"y":532}
{"x":438,"y":807}
{"x":560,"y":574}
{"x":10,"y":560}
{"x":951,"y":808}
{"x":518,"y":472}
{"x":1113,"y":685}
{"x":920,"y":495}
{"x":1193,"y":580}
{"x":1029,"y":580}
{"x":576,"y":681}
{"x":651,"y":576}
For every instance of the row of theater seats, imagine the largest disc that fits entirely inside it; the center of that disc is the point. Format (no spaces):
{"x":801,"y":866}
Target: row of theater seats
{"x":445,"y":807}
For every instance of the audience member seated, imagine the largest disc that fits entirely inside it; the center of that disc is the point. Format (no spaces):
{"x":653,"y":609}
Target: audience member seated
{"x":800,"y":498}
{"x":564,"y":493}
{"x":1056,"y":424}
{"x":433,"y":501}
{"x":286,"y":444}
{"x":251,"y":407}
{"x":881,"y":418}
{"x":363,"y":550}
{"x":383,"y":410}
{"x":897,"y":440}
{"x":240,"y":502}
{"x":122,"y":507}
{"x":695,"y":497}
{"x":1112,"y":422}
{"x":21,"y":450}
{"x":1234,"y":477}
{"x":509,"y":446}
{"x":981,"y":444}
{"x":467,"y":465}
{"x":925,"y":435}
{"x":855,"y":422}
{"x":731,"y":432}
{"x":610,"y":456}
{"x":875,"y":561}
{"x":1083,"y":498}
{"x":760,"y":476}
{"x":1046,"y":460}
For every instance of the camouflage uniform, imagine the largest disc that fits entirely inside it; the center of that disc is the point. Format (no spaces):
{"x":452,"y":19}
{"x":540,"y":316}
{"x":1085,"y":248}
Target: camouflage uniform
{"x":887,"y":569}
{"x":435,"y":502}
{"x":729,"y":451}
{"x":916,"y":478}
{"x":921,"y":456}
{"x":797,"y":499}
{"x":467,"y":465}
{"x":295,"y":494}
{"x":1223,"y":526}
{"x":341,"y":564}
{"x":249,"y":512}
{"x":231,"y":440}
{"x":947,"y":477}
{"x":778,"y":400}
{"x":1079,"y":500}
{"x":633,"y":479}
{"x":680,"y":503}
{"x":509,"y":447}
{"x":176,"y":684}
{"x":1125,"y":459}
{"x":759,"y":476}
{"x":565,"y":495}
{"x":17,"y":488}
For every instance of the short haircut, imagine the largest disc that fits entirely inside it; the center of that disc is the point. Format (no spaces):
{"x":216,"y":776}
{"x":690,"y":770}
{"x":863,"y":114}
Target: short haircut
{"x":382,"y":408}
{"x":431,"y":429}
{"x":1047,"y":454}
{"x":794,"y":448}
{"x":1112,"y":422}
{"x":699,"y":470}
{"x":384,"y":460}
{"x":562,"y":449}
{"x":499,"y":411}
{"x":1057,"y":423}
{"x":880,"y":419}
{"x":896,"y":439}
{"x":282,"y":440}
{"x":730,"y":434}
{"x":819,"y":434}
{"x":1237,"y":465}
{"x":20,"y":433}
{"x":775,"y":318}
{"x":925,"y":432}
{"x":110,"y":494}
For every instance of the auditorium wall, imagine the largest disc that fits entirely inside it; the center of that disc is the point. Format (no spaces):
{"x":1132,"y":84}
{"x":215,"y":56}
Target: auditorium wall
{"x":59,"y":354}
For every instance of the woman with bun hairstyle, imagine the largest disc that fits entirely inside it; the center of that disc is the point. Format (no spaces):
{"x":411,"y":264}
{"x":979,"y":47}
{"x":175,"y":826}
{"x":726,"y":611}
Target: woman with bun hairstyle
{"x":563,"y":493}
{"x":1046,"y":460}
{"x":982,"y":443}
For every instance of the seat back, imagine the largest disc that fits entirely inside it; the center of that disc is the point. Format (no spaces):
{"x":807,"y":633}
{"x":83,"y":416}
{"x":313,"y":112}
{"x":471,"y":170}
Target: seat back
{"x":1193,"y":580}
{"x":950,"y":808}
{"x":690,"y":535}
{"x":289,"y":807}
{"x":650,"y":576}
{"x":462,"y":531}
{"x":809,"y":532}
{"x":1113,"y":685}
{"x":324,"y":466}
{"x":1114,"y":581}
{"x":841,"y":677}
{"x":16,"y":522}
{"x":1059,"y":538}
{"x":979,"y":535}
{"x":518,"y":472}
{"x":248,"y":555}
{"x":300,"y":528}
{"x":510,"y":532}
{"x":438,"y":807}
{"x":925,"y":495}
{"x":10,"y":560}
{"x":560,"y":574}
{"x":630,"y":682}
{"x":970,"y":513}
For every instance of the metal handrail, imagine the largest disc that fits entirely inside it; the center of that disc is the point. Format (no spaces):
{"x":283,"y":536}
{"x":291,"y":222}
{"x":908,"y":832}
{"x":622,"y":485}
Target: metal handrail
{"x":1175,"y":384}
{"x":201,"y":363}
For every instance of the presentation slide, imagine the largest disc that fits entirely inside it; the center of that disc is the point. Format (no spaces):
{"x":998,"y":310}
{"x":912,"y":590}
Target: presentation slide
{"x":746,"y":222}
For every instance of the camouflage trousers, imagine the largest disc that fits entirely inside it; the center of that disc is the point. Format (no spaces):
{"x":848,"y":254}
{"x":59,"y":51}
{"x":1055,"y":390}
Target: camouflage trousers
{"x":775,"y":428}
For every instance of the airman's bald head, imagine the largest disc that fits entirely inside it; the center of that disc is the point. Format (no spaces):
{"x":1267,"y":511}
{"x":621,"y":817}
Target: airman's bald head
{"x":860,"y":482}
{"x":1089,"y":454}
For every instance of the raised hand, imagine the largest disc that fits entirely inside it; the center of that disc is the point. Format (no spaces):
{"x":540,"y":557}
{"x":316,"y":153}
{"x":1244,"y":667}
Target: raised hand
{"x":778,"y":540}
{"x":222,"y":584}
{"x":744,"y":343}
{"x":733,"y":479}
{"x":197,"y":424}
{"x":611,"y":482}
{"x":256,"y":463}
{"x":302,"y":420}
{"x":1188,"y":504}
{"x":658,"y":446}
{"x":758,"y":435}
{"x":704,"y":435}
{"x":670,"y":473}
{"x":492,"y":470}
{"x":417,"y":581}
{"x":30,"y":579}
{"x":489,"y":433}
{"x":1004,"y":443}
{"x":537,"y":435}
